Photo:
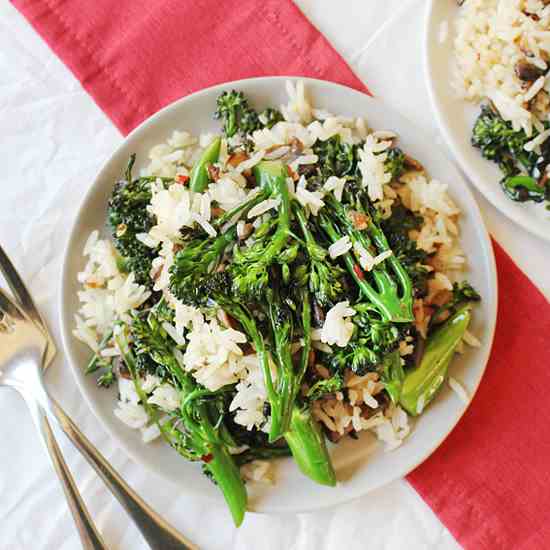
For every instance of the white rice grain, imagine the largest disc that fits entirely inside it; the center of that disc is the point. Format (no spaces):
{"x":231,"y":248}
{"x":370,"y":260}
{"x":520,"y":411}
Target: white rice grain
{"x":340,"y":247}
{"x":458,"y":388}
{"x":263,"y":207}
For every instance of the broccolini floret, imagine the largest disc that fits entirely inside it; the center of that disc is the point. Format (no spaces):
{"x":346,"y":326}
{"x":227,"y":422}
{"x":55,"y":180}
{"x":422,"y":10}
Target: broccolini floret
{"x":249,"y":269}
{"x":373,"y":339}
{"x":269,"y":117}
{"x":395,"y":163}
{"x":324,"y":278}
{"x":336,"y":158}
{"x":128,"y":216}
{"x":238,"y":117}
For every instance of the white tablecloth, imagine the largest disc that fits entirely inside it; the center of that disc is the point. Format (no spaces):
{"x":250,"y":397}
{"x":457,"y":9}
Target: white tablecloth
{"x":54,"y":139}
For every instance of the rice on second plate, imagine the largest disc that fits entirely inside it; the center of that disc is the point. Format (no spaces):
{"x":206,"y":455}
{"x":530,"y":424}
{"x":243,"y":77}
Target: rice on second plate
{"x":167,"y":347}
{"x":501,"y":56}
{"x":501,"y":52}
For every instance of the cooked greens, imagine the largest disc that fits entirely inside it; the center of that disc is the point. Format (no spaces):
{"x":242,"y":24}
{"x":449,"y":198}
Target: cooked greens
{"x":283,"y":290}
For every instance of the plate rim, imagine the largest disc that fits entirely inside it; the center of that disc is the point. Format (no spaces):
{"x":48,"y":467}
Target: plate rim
{"x":504,"y":205}
{"x":65,"y":322}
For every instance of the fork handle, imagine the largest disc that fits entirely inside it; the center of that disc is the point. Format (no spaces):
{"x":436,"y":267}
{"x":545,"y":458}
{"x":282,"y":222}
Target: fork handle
{"x":158,"y":533}
{"x":89,"y":536}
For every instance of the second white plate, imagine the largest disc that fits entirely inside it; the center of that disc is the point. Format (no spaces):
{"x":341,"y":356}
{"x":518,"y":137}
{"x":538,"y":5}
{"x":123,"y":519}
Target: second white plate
{"x":455,"y":119}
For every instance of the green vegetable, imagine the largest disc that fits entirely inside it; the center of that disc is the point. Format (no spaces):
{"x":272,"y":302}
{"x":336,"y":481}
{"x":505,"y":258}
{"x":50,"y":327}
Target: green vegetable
{"x":372,"y":341}
{"x":523,"y":189}
{"x":232,"y":107}
{"x":463,"y":293}
{"x":422,"y":383}
{"x":324,"y":278}
{"x":499,"y":142}
{"x":194,"y":262}
{"x":392,"y":375}
{"x":269,"y":117}
{"x":412,"y":258}
{"x":308,"y":446}
{"x":393,"y":295}
{"x":127,"y":217}
{"x":203,"y":435}
{"x":336,"y":158}
{"x":395,"y":163}
{"x":325,"y":386}
{"x":199,"y":178}
{"x":249,"y":268}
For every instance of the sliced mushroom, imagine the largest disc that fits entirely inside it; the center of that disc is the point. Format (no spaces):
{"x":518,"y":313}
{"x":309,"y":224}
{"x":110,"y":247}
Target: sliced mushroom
{"x":213,"y":172}
{"x":236,"y":158}
{"x":527,"y":72}
{"x":412,"y":163}
{"x":120,"y":369}
{"x":296,"y":146}
{"x":244,"y":230}
{"x":318,"y":315}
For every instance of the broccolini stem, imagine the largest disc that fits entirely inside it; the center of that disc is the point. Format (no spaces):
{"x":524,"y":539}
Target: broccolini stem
{"x":302,"y":221}
{"x":308,"y":446}
{"x":400,"y":304}
{"x":199,"y":175}
{"x":129,"y":361}
{"x":271,"y":175}
{"x":390,"y":310}
{"x":281,"y":408}
{"x":244,"y":207}
{"x":392,"y":375}
{"x":422,"y":383}
{"x":306,"y":325}
{"x":228,"y":477}
{"x":93,"y":364}
{"x":206,"y":443}
{"x":249,"y":325}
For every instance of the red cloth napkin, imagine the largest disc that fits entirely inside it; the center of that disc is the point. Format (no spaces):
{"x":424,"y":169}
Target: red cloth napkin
{"x":490,"y":481}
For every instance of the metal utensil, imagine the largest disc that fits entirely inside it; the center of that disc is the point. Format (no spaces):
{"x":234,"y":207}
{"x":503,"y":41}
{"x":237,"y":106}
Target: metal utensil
{"x":158,"y":533}
{"x":24,"y":299}
{"x":89,"y":536}
{"x":22,"y":349}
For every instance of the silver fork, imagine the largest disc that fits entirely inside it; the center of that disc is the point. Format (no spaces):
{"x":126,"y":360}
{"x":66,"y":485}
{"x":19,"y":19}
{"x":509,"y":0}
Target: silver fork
{"x":22,"y":346}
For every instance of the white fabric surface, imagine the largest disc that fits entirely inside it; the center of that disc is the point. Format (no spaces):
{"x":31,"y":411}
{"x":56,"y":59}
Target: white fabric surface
{"x":54,"y":139}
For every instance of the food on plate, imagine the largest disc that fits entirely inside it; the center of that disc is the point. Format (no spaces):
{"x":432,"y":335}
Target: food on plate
{"x":502,"y":51}
{"x":294,"y":278}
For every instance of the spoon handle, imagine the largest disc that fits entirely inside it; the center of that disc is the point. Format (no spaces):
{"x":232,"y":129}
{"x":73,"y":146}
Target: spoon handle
{"x":89,"y":536}
{"x":158,"y":533}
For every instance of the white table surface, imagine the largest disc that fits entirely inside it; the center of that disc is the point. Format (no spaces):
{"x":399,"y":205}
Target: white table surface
{"x":53,"y":140}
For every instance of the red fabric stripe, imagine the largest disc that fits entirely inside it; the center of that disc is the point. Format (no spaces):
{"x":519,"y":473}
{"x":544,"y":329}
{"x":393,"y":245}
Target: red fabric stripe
{"x":136,"y":56}
{"x":489,"y":481}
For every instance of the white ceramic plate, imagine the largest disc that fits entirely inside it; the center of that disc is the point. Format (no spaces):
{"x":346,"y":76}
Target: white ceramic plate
{"x":456,"y":118}
{"x":361,"y":465}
